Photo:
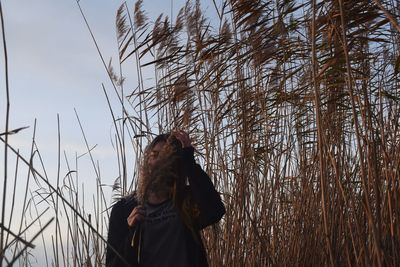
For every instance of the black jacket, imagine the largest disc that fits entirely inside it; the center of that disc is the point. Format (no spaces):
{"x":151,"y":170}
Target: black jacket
{"x":202,"y":192}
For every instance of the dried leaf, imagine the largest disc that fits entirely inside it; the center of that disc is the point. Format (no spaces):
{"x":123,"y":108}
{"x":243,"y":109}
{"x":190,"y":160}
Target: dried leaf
{"x":139,"y":15}
{"x":15,"y":131}
{"x":121,"y":25}
{"x":180,"y":88}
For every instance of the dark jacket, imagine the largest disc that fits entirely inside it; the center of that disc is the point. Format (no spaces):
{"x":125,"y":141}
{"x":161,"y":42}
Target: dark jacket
{"x":202,"y":192}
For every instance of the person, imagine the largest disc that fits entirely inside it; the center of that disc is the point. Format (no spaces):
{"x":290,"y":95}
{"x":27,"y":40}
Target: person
{"x":160,"y":223}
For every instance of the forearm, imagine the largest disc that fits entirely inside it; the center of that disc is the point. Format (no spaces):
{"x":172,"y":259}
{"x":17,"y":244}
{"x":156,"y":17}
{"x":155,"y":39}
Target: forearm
{"x":203,"y":192}
{"x":208,"y":199}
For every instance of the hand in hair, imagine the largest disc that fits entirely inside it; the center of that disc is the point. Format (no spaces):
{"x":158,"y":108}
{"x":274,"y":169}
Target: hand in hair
{"x":183,"y":137}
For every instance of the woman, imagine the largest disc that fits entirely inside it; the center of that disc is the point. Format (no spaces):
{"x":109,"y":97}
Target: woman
{"x":159,"y":225}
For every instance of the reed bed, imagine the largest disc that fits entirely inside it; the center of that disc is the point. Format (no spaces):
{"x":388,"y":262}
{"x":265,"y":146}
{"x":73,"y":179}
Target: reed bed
{"x":293,"y":109}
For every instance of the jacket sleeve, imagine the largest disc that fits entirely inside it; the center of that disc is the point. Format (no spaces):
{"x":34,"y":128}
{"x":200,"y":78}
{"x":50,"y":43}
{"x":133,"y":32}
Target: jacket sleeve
{"x":116,"y":235}
{"x":208,"y":200}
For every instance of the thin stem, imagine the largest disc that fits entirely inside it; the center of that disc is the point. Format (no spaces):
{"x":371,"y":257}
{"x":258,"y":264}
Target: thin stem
{"x":320,"y":133}
{"x":6,"y":136}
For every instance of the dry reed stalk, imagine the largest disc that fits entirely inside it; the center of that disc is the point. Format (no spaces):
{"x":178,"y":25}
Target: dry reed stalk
{"x":7,"y":118}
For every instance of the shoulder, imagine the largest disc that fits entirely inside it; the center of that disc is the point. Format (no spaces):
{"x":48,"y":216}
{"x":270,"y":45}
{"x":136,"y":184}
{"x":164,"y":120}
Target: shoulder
{"x":124,"y":205}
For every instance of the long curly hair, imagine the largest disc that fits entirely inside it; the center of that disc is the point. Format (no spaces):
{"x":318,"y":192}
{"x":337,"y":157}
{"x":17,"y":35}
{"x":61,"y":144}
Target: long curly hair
{"x":145,"y":170}
{"x":167,"y":178}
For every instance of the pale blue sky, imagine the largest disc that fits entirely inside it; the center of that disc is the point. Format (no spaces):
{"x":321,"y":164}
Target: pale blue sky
{"x":54,"y":68}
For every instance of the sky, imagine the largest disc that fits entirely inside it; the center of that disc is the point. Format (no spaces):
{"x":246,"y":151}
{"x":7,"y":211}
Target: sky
{"x":54,"y":69}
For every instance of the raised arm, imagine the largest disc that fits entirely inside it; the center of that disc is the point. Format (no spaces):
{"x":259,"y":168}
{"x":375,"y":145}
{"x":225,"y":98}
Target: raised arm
{"x":202,"y":191}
